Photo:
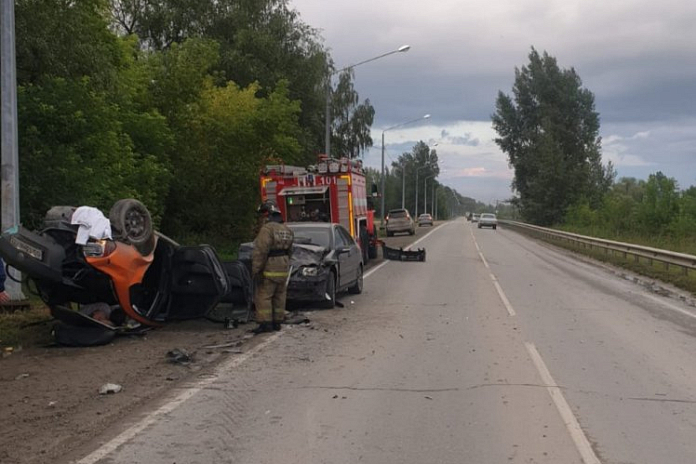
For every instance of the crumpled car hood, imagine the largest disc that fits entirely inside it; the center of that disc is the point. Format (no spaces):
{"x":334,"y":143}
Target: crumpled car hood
{"x":303,"y":254}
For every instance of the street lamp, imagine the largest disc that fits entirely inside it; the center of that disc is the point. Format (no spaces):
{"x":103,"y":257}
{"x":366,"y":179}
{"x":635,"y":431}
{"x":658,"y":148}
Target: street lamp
{"x":429,"y":165}
{"x":327,"y":128}
{"x":425,"y":187}
{"x":426,"y":116}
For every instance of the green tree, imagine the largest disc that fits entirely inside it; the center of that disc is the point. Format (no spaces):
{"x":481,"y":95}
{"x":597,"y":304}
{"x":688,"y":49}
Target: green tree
{"x":549,"y":130}
{"x":351,"y":120}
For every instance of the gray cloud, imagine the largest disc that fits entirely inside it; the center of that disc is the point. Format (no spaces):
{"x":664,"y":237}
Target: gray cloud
{"x":637,"y":57}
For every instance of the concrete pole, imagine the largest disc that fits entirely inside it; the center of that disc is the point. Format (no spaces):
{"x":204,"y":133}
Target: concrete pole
{"x":10,"y":152}
{"x":416,"y":208}
{"x":383,"y":183}
{"x":403,"y":185}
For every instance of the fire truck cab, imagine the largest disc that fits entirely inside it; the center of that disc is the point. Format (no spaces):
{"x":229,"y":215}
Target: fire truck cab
{"x":333,"y":190}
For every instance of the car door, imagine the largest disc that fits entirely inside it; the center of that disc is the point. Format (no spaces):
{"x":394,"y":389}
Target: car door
{"x":198,"y":282}
{"x":350,"y":260}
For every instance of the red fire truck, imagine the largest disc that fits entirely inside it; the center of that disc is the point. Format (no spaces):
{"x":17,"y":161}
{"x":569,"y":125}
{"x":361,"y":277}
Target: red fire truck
{"x":333,"y":190}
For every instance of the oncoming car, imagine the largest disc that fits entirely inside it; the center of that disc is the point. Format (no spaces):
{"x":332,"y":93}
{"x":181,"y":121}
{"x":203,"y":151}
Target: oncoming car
{"x":325,"y":261}
{"x":488,"y":220}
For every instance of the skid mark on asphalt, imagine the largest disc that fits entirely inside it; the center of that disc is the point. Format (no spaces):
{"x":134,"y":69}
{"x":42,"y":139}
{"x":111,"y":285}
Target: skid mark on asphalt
{"x":496,"y":284}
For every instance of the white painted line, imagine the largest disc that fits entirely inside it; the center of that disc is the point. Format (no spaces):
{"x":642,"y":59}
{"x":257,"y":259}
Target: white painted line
{"x":503,"y":297}
{"x":375,"y":269}
{"x":184,"y":396}
{"x":581,"y":442}
{"x":499,"y":289}
{"x":485,"y":263}
{"x":423,"y":238}
{"x":663,"y":301}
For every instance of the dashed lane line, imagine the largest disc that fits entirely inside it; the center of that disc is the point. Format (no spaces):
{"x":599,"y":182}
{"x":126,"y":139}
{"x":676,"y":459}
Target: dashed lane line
{"x":496,"y":284}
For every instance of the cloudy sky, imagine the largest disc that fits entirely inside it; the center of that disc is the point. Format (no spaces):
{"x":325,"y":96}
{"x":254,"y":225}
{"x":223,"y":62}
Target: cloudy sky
{"x":637,"y":56}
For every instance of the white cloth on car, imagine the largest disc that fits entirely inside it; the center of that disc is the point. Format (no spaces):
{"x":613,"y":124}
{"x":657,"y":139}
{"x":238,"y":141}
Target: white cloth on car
{"x":92,"y":223}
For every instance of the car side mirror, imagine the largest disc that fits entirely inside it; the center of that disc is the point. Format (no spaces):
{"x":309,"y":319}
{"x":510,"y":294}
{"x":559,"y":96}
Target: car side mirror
{"x":342,"y":250}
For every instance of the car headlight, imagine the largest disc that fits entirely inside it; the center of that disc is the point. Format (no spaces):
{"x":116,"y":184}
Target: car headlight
{"x":310,"y":271}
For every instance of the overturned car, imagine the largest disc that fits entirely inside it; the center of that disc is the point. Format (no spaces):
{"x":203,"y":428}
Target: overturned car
{"x":110,"y":275}
{"x":325,"y":261}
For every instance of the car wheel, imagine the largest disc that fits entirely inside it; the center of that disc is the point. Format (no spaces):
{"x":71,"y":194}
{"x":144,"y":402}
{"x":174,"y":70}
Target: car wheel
{"x":358,"y":287}
{"x":495,"y":227}
{"x":372,"y":252}
{"x":131,"y":221}
{"x":412,"y":232}
{"x":329,"y":301}
{"x":479,"y":226}
{"x":390,"y":234}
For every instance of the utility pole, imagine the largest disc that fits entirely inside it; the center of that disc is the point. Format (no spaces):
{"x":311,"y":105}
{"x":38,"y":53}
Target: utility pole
{"x":10,"y":153}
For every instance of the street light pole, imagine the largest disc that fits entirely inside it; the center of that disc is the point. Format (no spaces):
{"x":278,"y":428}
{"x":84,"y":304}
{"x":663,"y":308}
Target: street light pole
{"x":10,"y":148}
{"x":428,"y":165}
{"x":403,"y":184}
{"x":385,"y":130}
{"x":327,"y":122}
{"x":425,"y":188}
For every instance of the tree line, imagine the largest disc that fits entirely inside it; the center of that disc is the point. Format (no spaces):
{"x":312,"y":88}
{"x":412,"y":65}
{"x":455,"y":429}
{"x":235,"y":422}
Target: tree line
{"x":549,"y":129}
{"x":178,"y":103}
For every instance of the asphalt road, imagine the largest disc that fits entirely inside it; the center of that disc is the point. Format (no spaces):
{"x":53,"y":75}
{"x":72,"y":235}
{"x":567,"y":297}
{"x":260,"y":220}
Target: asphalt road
{"x":496,"y":350}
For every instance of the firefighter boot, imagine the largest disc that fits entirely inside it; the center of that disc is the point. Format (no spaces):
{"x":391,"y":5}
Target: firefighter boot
{"x":263,"y":327}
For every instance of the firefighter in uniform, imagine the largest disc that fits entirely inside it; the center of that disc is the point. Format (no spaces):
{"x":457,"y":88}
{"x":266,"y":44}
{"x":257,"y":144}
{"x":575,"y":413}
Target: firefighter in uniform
{"x":270,"y":268}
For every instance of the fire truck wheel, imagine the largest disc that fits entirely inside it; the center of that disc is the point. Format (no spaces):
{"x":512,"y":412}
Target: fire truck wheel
{"x":372,"y":251}
{"x":329,"y":301}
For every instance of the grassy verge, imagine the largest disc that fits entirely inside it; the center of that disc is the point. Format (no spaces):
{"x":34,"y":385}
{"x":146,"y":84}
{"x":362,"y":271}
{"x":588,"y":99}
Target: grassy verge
{"x":663,"y":242}
{"x":25,"y":328}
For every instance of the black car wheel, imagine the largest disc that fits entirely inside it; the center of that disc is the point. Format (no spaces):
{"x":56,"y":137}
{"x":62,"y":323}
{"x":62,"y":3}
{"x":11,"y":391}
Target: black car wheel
{"x":329,"y":301}
{"x":357,"y":288}
{"x":131,"y":221}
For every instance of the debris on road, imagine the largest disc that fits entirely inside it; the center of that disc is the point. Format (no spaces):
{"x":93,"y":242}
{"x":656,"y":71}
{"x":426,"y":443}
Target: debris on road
{"x":428,"y":397}
{"x":110,"y":389}
{"x":21,"y":376}
{"x":179,"y":356}
{"x":403,"y":255}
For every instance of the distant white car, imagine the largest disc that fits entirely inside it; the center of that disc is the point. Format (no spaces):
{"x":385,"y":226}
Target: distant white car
{"x":475,"y":217}
{"x":488,"y":220}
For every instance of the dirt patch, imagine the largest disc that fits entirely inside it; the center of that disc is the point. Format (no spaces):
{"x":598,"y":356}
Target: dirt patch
{"x":51,"y":401}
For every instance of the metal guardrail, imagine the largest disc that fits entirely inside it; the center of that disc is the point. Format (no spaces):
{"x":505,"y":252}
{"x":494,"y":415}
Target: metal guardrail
{"x":669,"y":258}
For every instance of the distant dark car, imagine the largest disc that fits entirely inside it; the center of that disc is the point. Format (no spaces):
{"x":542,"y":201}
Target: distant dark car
{"x":425,"y":220}
{"x":140,"y":275}
{"x":325,"y":261}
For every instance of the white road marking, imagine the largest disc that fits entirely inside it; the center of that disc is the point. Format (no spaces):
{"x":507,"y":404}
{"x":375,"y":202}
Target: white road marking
{"x":506,"y":302}
{"x":187,"y":394}
{"x":375,"y":269}
{"x":581,"y":442}
{"x":663,"y":301}
{"x":496,"y":284}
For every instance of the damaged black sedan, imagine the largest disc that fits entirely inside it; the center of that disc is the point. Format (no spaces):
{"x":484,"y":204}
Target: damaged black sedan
{"x":326,"y":260}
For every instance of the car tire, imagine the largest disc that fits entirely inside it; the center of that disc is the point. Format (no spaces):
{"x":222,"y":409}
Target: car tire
{"x":372,"y":251}
{"x":479,"y":226}
{"x":331,"y":291}
{"x":131,"y":221}
{"x":358,"y":287}
{"x":390,"y":234}
{"x":495,"y":227}
{"x":412,"y":232}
